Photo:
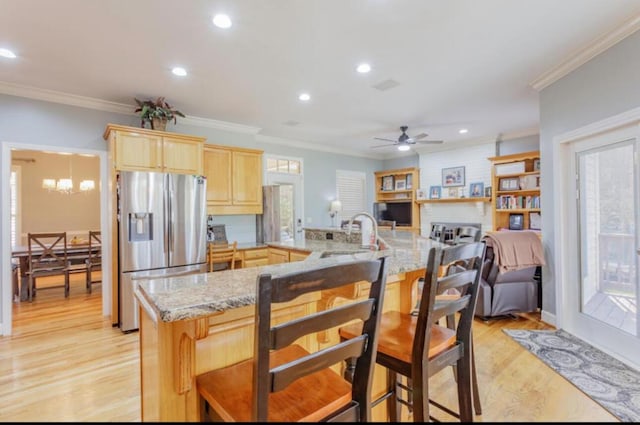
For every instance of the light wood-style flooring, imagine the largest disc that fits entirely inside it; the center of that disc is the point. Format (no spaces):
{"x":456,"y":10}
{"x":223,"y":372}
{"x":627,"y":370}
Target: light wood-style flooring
{"x":65,"y":362}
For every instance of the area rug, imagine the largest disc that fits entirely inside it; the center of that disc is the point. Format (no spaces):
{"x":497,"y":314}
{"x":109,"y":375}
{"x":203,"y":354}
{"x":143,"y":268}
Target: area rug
{"x":608,"y":381}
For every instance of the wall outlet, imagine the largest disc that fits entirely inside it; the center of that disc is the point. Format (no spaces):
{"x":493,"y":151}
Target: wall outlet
{"x":329,"y":236}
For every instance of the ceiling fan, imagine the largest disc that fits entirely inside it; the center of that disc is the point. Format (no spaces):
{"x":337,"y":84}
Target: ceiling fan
{"x":404,"y":142}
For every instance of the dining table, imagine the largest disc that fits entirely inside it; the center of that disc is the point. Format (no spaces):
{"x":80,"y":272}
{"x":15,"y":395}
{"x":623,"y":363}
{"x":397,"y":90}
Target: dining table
{"x":77,"y":252}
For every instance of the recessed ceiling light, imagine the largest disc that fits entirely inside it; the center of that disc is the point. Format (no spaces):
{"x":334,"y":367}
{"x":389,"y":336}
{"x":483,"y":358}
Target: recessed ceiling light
{"x":404,"y":147}
{"x":6,"y":53}
{"x":463,"y":131}
{"x":304,"y":97}
{"x":222,"y":21}
{"x":363,"y":68}
{"x":180,"y":72}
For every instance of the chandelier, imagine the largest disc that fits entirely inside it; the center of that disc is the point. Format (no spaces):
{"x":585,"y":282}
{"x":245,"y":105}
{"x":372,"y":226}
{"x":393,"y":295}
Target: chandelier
{"x":65,"y":185}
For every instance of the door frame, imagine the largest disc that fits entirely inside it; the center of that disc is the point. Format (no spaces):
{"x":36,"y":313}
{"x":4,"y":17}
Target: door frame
{"x":565,"y":267}
{"x":6,"y":291}
{"x":297,"y":180}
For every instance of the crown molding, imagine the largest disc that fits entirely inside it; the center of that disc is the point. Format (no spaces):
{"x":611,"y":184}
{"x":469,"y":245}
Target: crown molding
{"x":596,"y":47}
{"x":107,"y":106}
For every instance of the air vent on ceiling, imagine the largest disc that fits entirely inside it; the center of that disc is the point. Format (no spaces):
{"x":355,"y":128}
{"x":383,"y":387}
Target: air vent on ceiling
{"x":386,"y":85}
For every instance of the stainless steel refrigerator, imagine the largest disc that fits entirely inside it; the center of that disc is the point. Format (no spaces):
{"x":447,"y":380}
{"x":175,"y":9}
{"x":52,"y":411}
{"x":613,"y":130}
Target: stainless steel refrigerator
{"x":162,"y":232}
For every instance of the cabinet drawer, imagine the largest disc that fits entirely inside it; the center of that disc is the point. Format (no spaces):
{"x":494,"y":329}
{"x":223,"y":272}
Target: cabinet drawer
{"x":256,"y":262}
{"x":256,"y":253}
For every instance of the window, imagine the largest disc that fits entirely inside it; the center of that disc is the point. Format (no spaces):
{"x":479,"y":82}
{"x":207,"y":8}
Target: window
{"x":350,"y":190}
{"x":283,"y":165}
{"x":14,"y":186}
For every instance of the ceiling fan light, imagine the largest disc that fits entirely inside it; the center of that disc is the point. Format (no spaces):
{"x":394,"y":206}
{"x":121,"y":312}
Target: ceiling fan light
{"x":404,"y":147}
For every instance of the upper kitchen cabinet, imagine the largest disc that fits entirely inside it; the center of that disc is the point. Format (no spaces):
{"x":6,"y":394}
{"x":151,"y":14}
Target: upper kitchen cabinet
{"x":141,"y":149}
{"x":234,"y":180}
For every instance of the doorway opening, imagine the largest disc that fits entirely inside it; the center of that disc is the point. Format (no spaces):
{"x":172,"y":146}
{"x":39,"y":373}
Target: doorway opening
{"x":36,"y":206}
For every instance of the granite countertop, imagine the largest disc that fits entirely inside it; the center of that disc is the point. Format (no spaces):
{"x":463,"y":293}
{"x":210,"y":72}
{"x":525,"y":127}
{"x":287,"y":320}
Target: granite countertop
{"x":188,"y":297}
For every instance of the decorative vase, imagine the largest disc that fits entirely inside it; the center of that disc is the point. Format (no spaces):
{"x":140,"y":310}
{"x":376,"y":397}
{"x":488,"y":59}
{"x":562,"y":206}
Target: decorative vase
{"x":159,"y":124}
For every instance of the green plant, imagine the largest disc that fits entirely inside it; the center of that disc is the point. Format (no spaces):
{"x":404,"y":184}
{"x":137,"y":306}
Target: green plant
{"x":159,"y":108}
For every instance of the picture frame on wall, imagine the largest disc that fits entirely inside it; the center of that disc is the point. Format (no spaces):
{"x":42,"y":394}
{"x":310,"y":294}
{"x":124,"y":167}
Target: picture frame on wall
{"x":387,"y":183}
{"x":509,"y":183}
{"x":516,"y":221}
{"x":487,"y":192}
{"x":401,"y":184}
{"x":476,"y":190}
{"x":453,"y":192}
{"x":409,"y":179}
{"x":434,"y":192}
{"x":421,"y":194}
{"x":453,"y":177}
{"x":535,"y":221}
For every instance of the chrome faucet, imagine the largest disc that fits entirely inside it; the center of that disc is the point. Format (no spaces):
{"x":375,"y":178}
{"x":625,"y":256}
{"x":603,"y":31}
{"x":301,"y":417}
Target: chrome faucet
{"x":377,"y":241}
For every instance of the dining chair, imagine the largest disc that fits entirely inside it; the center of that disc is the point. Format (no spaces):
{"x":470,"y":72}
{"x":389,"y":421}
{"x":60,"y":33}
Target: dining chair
{"x":284,"y":382}
{"x":416,"y":347}
{"x":222,"y":254}
{"x":94,"y":259}
{"x":47,"y":257}
{"x":466,"y":234}
{"x":438,"y":232}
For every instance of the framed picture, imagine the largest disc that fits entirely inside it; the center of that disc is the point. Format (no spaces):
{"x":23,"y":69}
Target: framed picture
{"x":536,"y":164}
{"x":535,"y":221}
{"x":434,"y":192}
{"x":387,"y":183}
{"x":421,"y":193}
{"x":487,"y":192}
{"x":401,"y":184}
{"x":453,"y":192}
{"x":409,"y":181}
{"x":453,"y":176}
{"x":476,"y":190}
{"x":516,"y":221}
{"x":510,"y":183}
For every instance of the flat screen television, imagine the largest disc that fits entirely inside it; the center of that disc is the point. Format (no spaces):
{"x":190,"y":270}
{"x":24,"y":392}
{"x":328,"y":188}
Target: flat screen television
{"x":400,"y":212}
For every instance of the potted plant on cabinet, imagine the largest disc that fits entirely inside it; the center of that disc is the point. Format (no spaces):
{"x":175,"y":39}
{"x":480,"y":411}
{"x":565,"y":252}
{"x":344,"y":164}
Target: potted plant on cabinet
{"x":157,"y":113}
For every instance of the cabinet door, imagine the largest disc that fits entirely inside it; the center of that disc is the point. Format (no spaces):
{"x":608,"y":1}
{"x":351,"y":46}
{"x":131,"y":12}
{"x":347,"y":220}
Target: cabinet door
{"x":137,"y":152}
{"x":181,"y":156}
{"x":217,"y":168}
{"x":297,"y":256}
{"x":278,"y":256}
{"x":247,"y":178}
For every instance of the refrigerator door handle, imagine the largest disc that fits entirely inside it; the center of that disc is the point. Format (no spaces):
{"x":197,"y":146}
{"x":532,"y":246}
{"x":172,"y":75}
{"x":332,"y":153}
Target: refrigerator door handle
{"x":166,"y":220}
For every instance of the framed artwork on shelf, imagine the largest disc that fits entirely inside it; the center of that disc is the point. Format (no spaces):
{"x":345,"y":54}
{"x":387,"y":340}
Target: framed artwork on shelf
{"x":536,"y":164}
{"x":401,"y":184}
{"x":510,"y":183}
{"x":434,"y":192}
{"x":516,"y":221}
{"x":387,"y":183}
{"x":409,"y":181}
{"x":476,"y":190}
{"x":487,"y":192}
{"x":421,"y":194}
{"x":453,"y":177}
{"x":453,"y":192}
{"x":535,"y":221}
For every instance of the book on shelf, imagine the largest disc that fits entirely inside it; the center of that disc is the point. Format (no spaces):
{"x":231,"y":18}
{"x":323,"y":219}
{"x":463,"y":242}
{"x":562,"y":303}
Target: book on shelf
{"x":512,"y":202}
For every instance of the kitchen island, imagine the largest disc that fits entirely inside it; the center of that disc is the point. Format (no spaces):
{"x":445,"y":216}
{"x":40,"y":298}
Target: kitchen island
{"x":192,"y":324}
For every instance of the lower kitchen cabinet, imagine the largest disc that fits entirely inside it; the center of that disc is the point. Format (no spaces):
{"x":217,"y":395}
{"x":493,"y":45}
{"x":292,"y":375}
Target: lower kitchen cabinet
{"x":255,"y":257}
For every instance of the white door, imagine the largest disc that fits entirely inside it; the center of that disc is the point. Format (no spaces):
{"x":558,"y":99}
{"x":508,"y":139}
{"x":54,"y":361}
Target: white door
{"x":601,"y":305}
{"x":291,"y":202}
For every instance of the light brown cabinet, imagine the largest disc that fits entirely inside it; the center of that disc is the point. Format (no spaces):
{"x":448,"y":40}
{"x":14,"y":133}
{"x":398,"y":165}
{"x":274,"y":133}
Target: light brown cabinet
{"x":140,"y":149}
{"x":255,"y":257}
{"x":298,"y":255}
{"x":278,"y":256}
{"x":516,"y":186}
{"x":399,"y":186}
{"x":234,"y":180}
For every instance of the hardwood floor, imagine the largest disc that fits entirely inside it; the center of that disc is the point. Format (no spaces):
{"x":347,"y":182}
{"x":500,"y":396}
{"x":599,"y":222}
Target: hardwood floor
{"x":65,"y":362}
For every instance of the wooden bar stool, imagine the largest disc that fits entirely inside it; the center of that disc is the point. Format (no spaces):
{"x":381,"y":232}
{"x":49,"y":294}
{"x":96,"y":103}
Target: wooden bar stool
{"x":284,"y":382}
{"x":417,"y":347}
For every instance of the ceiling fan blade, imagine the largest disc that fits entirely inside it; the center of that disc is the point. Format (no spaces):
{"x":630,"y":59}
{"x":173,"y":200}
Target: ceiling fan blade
{"x":381,"y":146}
{"x":430,"y":142}
{"x":386,"y":140}
{"x":420,"y":136}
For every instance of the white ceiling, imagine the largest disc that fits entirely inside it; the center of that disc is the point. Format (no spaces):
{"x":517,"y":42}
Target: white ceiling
{"x":459,"y":63}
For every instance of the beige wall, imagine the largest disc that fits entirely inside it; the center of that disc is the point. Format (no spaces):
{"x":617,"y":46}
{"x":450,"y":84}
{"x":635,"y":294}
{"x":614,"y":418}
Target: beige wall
{"x":44,"y":211}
